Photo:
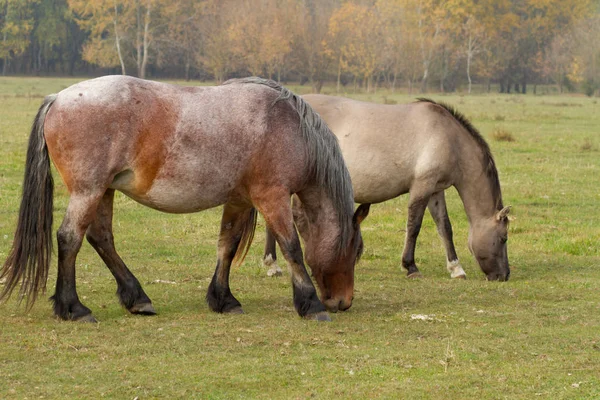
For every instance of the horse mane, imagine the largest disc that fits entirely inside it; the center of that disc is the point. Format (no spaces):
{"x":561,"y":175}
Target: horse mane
{"x":488,"y":159}
{"x":326,"y":165}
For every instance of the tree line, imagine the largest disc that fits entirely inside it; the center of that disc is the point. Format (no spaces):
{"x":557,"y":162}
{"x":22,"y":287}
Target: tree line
{"x":418,"y":44}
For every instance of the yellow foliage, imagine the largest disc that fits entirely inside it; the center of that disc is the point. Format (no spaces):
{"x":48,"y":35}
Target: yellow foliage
{"x":576,"y":70}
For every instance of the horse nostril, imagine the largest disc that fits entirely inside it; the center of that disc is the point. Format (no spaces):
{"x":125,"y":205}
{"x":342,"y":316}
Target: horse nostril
{"x":331,"y":305}
{"x":343,"y":306}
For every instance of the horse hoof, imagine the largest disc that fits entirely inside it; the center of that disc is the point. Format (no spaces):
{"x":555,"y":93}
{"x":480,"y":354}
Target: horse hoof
{"x":274,"y":272}
{"x":414,"y":275}
{"x":235,"y":310}
{"x":143,"y":309}
{"x":320,"y":316}
{"x":87,"y":318}
{"x":461,"y":276}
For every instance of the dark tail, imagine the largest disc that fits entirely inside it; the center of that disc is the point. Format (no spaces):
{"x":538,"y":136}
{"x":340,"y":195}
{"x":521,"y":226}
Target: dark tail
{"x":29,"y":258}
{"x":247,"y":236}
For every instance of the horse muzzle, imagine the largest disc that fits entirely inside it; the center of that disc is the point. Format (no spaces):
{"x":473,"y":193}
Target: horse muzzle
{"x":502,"y":277}
{"x":335,"y":304}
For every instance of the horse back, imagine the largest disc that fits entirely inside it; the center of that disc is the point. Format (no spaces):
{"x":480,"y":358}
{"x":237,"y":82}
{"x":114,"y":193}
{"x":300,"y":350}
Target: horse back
{"x":390,"y":148}
{"x":172,"y":148}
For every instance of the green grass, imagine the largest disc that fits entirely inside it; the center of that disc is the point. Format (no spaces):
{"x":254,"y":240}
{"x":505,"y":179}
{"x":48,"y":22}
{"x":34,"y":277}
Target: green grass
{"x":537,"y":336}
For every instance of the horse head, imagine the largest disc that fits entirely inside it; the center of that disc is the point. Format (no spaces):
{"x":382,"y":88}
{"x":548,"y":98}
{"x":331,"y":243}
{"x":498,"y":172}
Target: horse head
{"x":332,"y":270}
{"x":487,"y":242}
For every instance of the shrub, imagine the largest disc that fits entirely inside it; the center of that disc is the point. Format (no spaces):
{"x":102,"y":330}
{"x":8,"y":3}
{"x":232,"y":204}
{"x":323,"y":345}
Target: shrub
{"x":502,"y":135}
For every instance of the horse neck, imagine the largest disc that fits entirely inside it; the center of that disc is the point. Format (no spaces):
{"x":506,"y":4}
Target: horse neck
{"x":323,"y":235}
{"x":476,"y":191}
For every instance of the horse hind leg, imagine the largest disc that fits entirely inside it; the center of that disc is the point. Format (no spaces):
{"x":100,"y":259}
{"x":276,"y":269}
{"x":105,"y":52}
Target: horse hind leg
{"x":80,"y":213}
{"x":270,"y":256}
{"x":439,"y":213}
{"x":234,"y":223}
{"x":100,"y":235}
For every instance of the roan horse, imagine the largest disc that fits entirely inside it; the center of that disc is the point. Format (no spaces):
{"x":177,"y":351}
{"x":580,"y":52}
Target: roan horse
{"x":422,"y":149}
{"x":181,"y":150}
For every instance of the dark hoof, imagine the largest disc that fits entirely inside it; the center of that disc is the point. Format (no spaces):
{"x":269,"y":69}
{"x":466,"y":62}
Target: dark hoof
{"x":143,"y":309}
{"x":320,"y":316}
{"x":414,"y":275}
{"x":235,"y":310}
{"x":87,"y":318}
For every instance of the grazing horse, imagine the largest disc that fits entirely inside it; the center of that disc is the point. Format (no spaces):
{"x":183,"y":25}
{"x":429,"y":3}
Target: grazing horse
{"x":421,"y":148}
{"x":181,"y":150}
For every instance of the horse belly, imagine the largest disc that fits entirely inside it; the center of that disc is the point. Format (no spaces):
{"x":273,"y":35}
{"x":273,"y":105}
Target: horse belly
{"x":169,"y":196}
{"x":376,"y":176}
{"x":377,"y":185}
{"x":176,"y":192}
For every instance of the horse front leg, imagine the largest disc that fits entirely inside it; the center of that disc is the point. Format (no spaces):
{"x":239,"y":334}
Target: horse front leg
{"x":270,"y":256}
{"x":439,"y":213}
{"x":100,"y":235}
{"x":80,"y":213}
{"x":416,"y":209}
{"x":275,"y":207}
{"x":233,"y":222}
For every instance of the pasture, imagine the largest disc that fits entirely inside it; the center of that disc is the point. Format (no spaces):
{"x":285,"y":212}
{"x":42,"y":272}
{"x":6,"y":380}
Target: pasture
{"x":537,"y":335}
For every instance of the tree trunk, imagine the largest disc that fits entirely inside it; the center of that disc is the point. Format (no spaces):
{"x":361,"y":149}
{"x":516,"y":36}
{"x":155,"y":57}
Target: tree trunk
{"x":117,"y":39}
{"x":317,"y":86}
{"x":5,"y":59}
{"x":339,"y":74}
{"x":138,"y":37}
{"x":146,"y":43}
{"x":469,"y":56}
{"x":187,"y":68}
{"x":424,"y":80}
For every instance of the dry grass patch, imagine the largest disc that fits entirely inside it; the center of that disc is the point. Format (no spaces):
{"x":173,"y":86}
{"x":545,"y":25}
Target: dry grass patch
{"x":587,"y":145}
{"x":502,"y":135}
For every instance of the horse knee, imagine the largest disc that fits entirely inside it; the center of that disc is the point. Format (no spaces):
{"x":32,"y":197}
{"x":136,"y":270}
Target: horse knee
{"x":67,"y":240}
{"x":98,"y":238}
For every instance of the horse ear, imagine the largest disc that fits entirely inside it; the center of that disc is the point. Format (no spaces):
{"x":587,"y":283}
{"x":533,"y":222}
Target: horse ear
{"x":361,"y":213}
{"x":502,"y":214}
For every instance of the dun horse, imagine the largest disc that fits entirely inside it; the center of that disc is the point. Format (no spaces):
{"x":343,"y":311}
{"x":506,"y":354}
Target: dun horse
{"x":421,"y":148}
{"x":181,"y":150}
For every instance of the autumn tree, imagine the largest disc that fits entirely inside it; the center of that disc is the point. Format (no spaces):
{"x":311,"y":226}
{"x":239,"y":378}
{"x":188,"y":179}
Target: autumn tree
{"x":261,"y":35}
{"x":121,"y":31}
{"x":587,"y":50}
{"x":425,"y":21}
{"x":182,"y":40}
{"x":217,"y":55}
{"x":105,"y":20}
{"x":355,"y":42}
{"x":311,"y":59}
{"x":467,"y":29}
{"x":16,"y":24}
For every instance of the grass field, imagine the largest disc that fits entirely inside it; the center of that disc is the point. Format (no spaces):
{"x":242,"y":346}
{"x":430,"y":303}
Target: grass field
{"x":536,"y":336}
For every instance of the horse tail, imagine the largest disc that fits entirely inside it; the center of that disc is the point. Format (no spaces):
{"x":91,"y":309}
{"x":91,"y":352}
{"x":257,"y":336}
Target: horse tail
{"x":29,"y":258}
{"x":248,"y":229}
{"x":326,"y":165}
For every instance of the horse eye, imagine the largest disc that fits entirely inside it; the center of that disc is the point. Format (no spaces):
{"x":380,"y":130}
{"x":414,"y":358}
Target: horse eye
{"x":504,"y":239}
